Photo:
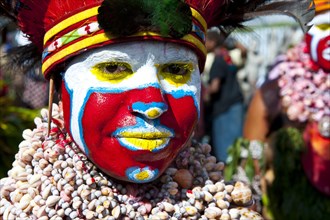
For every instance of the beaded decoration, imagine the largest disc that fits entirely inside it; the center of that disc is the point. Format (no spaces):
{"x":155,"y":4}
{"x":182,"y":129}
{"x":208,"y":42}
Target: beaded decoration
{"x":304,"y":87}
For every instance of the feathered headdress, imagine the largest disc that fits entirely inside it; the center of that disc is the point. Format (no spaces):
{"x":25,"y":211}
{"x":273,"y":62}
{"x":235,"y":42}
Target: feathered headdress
{"x":61,"y":29}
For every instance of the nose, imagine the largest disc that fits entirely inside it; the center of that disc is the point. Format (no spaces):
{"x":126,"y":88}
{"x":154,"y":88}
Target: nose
{"x":150,"y":110}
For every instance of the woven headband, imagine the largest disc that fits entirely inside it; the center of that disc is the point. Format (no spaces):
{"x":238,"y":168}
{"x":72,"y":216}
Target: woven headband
{"x":321,"y":5}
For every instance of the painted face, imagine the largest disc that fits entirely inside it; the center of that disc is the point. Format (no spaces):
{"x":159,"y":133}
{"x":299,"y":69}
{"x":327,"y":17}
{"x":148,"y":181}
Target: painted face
{"x":132,"y":107}
{"x":318,"y":41}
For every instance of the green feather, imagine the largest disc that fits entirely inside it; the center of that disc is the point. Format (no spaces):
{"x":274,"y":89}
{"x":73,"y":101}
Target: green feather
{"x":172,"y":17}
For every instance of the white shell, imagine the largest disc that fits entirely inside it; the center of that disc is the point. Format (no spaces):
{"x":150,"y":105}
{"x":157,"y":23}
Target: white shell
{"x":191,"y":210}
{"x":25,"y":201}
{"x":52,"y":200}
{"x":212,"y":212}
{"x":242,"y":194}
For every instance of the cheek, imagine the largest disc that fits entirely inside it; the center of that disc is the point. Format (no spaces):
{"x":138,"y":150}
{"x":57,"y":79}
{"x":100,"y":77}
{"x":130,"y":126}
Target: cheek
{"x":182,"y":116}
{"x":308,"y":40}
{"x":323,"y":44}
{"x":103,"y":114}
{"x":323,"y":53}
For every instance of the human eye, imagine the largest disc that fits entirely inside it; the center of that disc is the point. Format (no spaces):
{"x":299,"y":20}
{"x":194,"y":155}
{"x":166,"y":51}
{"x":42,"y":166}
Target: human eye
{"x":112,"y":71}
{"x":176,"y":73}
{"x":177,"y":68}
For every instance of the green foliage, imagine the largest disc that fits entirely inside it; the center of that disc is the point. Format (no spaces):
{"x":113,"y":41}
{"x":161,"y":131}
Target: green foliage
{"x":234,"y":152}
{"x":234,"y":159}
{"x":13,"y":120}
{"x":291,"y":196}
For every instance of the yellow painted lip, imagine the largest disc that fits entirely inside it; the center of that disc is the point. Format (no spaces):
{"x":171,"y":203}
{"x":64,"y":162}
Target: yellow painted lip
{"x":144,"y":139}
{"x":151,"y":139}
{"x":145,"y":135}
{"x":152,"y":145}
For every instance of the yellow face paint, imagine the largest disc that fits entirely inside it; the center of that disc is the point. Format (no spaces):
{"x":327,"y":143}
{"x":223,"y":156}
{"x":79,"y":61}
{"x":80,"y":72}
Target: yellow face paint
{"x":146,"y":140}
{"x":176,"y":74}
{"x":146,"y":144}
{"x":323,"y":27}
{"x":113,"y":72}
{"x":153,"y":113}
{"x":145,"y":135}
{"x":142,"y":175}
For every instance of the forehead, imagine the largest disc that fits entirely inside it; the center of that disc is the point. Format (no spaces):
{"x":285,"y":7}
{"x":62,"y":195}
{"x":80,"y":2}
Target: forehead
{"x":137,"y":52}
{"x":323,"y":18}
{"x":321,"y":25}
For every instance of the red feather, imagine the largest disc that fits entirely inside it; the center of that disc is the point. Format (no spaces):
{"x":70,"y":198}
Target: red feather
{"x":212,"y":10}
{"x":35,"y":17}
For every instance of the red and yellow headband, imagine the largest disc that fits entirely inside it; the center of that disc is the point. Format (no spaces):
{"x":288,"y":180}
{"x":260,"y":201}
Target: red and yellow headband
{"x":81,"y":31}
{"x":321,"y":5}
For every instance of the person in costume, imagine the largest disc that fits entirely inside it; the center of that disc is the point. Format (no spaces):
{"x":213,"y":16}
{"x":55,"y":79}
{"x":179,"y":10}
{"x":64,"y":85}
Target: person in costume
{"x":291,"y":113}
{"x":128,"y":75}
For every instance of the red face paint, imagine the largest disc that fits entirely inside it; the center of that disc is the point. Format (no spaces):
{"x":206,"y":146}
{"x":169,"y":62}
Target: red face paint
{"x":320,"y":53}
{"x":323,"y":53}
{"x":132,"y":111}
{"x":104,"y":114}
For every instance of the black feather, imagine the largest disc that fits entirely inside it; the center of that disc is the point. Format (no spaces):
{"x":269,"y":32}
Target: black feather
{"x":7,"y":9}
{"x":239,"y":11}
{"x":121,"y":18}
{"x":167,"y":17}
{"x":22,"y":59}
{"x":299,"y":10}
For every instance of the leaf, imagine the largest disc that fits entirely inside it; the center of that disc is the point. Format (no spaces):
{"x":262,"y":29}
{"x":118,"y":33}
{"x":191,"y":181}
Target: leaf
{"x":13,"y":121}
{"x":249,"y":168}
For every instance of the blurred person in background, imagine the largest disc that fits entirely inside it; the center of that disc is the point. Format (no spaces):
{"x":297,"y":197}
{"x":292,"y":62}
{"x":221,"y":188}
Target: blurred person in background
{"x":223,"y":96}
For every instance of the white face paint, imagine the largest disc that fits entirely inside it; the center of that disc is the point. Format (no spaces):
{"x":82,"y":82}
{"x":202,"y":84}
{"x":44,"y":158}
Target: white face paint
{"x":320,"y":40}
{"x":146,"y":79}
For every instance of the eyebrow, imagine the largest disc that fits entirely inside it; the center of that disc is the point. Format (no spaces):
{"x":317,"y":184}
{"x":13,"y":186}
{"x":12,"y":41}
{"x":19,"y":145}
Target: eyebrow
{"x":173,"y":55}
{"x":109,"y":56}
{"x":178,"y":59}
{"x":170,"y":55}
